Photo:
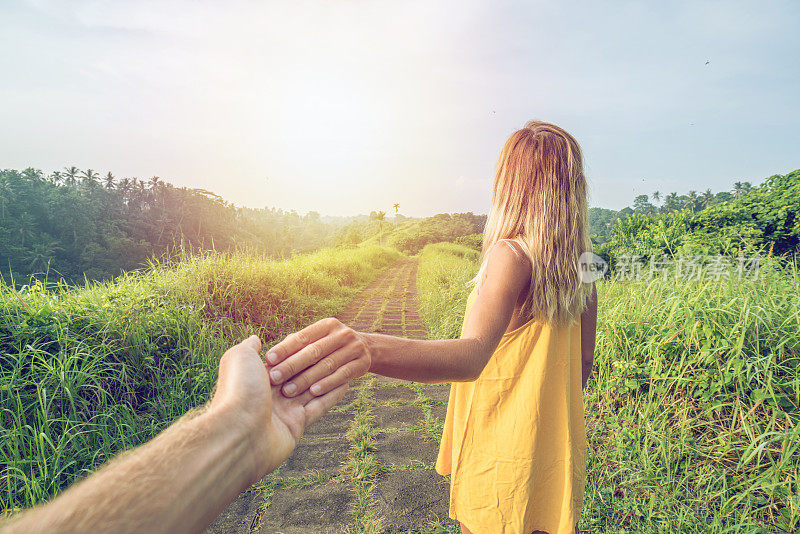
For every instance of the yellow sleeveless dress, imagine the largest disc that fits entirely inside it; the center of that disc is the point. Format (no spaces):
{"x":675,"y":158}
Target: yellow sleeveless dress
{"x":514,"y":440}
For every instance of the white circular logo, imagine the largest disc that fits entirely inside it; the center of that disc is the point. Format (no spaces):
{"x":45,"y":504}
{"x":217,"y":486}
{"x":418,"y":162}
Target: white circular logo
{"x":591,"y":267}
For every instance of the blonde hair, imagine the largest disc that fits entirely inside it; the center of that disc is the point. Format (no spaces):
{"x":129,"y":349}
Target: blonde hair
{"x":539,"y":202}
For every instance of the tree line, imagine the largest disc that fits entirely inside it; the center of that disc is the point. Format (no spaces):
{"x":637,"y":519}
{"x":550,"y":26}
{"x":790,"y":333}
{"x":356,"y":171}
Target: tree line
{"x":693,"y":201}
{"x":603,"y":220}
{"x":749,"y":220}
{"x":74,"y":224}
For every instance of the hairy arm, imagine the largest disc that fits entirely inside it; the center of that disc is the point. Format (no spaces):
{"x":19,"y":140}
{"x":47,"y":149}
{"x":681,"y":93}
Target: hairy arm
{"x":204,"y":460}
{"x":588,"y":331}
{"x":328,"y":353}
{"x":182,"y":479}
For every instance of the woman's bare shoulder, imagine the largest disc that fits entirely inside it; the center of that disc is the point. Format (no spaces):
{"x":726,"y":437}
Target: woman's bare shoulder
{"x":506,"y":261}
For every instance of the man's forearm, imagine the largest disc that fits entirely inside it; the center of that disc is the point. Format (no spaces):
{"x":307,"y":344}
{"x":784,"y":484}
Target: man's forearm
{"x":205,"y":461}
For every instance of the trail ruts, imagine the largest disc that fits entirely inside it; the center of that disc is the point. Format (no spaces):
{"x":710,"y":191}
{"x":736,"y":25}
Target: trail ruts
{"x":368,"y":465}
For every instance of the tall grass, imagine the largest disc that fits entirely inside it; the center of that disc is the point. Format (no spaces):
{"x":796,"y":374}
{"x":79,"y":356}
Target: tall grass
{"x":693,"y":406}
{"x":87,"y":372}
{"x":443,"y":276}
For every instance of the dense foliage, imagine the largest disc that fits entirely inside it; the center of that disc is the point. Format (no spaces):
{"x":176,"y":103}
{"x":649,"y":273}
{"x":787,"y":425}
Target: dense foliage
{"x":88,"y":372}
{"x":764,"y":219}
{"x":602,"y":221}
{"x":75,"y":224}
{"x":693,"y":407}
{"x":473,"y":241}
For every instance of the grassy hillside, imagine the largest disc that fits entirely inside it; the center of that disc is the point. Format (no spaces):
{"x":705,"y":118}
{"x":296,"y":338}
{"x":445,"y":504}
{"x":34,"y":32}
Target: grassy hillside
{"x":85,"y":373}
{"x":694,"y":403}
{"x":410,"y":235}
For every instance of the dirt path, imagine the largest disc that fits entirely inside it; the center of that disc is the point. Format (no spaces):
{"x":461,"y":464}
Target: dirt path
{"x":368,"y":465}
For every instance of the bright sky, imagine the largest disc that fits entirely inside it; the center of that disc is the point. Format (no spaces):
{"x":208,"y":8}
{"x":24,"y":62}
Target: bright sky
{"x":348,"y":106}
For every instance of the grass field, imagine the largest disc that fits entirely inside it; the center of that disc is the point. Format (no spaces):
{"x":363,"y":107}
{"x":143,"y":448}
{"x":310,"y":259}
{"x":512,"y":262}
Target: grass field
{"x":88,"y":372}
{"x":692,"y":409}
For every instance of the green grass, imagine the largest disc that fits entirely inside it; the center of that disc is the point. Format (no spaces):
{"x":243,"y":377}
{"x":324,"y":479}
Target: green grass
{"x":692,"y":408}
{"x":362,"y":467}
{"x":431,"y":424}
{"x":442,"y":286}
{"x":88,"y":372}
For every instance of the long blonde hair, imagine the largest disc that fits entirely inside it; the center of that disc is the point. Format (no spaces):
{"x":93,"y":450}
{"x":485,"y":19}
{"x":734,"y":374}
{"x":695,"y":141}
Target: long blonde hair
{"x":539,"y":202}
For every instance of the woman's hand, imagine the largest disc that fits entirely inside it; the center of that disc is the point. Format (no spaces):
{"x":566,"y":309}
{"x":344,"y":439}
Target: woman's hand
{"x":319,"y":358}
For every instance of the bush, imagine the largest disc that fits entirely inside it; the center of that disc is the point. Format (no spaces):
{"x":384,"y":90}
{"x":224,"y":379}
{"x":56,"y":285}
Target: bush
{"x":764,"y":220}
{"x":473,"y":241}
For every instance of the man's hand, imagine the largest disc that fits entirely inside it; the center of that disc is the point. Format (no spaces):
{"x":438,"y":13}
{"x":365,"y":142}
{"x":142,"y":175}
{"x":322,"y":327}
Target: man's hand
{"x":320,"y":358}
{"x":273,"y":422}
{"x":181,"y":480}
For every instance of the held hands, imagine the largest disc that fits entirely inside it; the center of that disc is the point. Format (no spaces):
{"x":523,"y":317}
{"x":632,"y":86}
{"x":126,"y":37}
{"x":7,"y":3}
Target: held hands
{"x":319,"y":358}
{"x":187,"y":475}
{"x":273,"y":422}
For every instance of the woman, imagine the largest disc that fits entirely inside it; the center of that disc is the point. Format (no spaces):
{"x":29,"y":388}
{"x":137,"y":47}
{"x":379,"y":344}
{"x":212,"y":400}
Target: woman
{"x":514,"y":440}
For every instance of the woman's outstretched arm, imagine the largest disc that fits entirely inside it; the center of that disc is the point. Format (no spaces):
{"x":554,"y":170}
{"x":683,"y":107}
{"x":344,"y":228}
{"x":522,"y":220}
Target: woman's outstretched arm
{"x":328,"y":353}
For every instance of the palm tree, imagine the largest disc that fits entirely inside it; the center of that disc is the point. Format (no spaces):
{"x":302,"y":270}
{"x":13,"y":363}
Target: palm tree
{"x":136,"y":193}
{"x":109,"y":180}
{"x":124,"y":186}
{"x":42,"y":253}
{"x":154,"y":181}
{"x":396,"y":208}
{"x":671,"y":203}
{"x":692,"y":202}
{"x":656,"y":196}
{"x":89,"y":178}
{"x":380,"y":217}
{"x":707,"y":197}
{"x":71,"y":176}
{"x":32,"y":175}
{"x":55,"y":177}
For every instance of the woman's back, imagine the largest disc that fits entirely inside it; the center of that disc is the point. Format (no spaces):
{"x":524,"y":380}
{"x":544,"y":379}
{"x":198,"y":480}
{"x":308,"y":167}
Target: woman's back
{"x":514,"y":439}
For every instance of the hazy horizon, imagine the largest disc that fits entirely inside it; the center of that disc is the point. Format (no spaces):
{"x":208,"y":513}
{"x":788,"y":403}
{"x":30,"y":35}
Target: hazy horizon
{"x":348,"y":107}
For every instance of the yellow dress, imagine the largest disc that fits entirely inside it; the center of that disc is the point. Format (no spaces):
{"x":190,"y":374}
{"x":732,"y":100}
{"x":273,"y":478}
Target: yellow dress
{"x":514,"y":440}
